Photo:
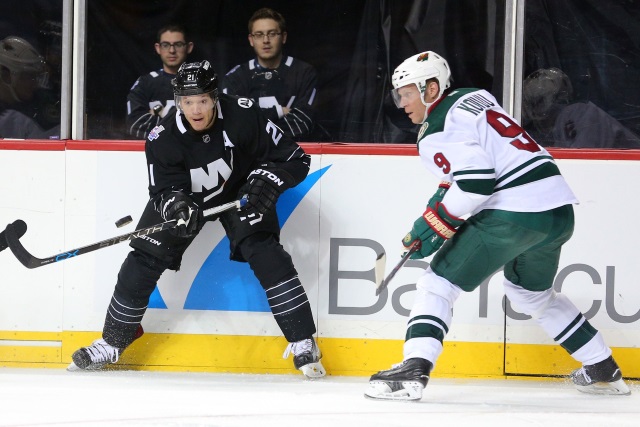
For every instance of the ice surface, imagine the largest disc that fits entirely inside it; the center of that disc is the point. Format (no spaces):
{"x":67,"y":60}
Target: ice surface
{"x":53,"y":397}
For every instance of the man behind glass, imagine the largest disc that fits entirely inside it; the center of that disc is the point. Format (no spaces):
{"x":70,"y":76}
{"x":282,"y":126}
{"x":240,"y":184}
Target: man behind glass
{"x":151,"y":96}
{"x":284,"y":87}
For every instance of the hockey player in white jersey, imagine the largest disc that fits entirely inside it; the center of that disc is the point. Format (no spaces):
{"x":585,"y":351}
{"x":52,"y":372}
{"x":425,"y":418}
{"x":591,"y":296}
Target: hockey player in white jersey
{"x":519,"y":213}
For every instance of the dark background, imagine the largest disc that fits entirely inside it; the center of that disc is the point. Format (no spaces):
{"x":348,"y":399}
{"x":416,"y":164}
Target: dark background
{"x":354,"y":45}
{"x":121,"y":36}
{"x":347,"y":41}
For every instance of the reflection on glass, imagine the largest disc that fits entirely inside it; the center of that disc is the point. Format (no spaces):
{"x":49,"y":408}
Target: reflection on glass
{"x":555,"y":119}
{"x":353,"y":59}
{"x":30,"y":69}
{"x":581,"y":73}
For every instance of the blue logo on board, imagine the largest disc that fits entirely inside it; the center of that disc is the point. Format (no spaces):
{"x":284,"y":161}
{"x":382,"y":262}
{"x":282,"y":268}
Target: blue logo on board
{"x":227,"y":285}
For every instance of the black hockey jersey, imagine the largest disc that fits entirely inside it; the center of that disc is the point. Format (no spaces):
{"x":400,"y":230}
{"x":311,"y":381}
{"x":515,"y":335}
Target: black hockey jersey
{"x":292,"y":85}
{"x":152,"y":90}
{"x":211,"y":166}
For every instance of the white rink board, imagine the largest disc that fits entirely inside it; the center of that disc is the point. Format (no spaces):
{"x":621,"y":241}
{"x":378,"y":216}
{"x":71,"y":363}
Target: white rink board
{"x":72,"y":198}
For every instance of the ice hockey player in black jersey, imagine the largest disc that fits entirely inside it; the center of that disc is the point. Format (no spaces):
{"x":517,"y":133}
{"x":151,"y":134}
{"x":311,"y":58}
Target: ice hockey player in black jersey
{"x":151,"y":97}
{"x":216,"y":149}
{"x":285,"y":87}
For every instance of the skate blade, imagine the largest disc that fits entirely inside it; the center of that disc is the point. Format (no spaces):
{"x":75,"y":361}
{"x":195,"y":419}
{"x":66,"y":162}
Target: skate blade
{"x":619,"y":388}
{"x":73,"y":367}
{"x":410,"y":391}
{"x":95,"y":368}
{"x":313,"y":370}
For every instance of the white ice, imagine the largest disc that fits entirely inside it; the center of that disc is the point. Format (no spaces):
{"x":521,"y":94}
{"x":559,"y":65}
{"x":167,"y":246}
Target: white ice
{"x":53,"y":397}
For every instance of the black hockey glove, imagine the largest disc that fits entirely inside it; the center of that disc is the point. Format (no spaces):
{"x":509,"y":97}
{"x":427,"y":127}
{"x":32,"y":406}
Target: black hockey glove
{"x":182,"y":208}
{"x":264,"y":186}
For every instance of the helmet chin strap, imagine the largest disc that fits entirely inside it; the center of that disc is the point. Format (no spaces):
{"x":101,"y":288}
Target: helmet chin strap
{"x":428,"y":104}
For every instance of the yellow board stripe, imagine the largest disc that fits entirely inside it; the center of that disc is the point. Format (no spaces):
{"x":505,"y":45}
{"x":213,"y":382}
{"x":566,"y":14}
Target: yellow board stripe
{"x":256,"y":354}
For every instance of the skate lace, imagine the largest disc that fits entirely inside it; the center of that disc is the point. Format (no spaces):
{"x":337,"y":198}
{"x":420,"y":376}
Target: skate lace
{"x":100,"y":351}
{"x":298,"y":348}
{"x":583,"y":372}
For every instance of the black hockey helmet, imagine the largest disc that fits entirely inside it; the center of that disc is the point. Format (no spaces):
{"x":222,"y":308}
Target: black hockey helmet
{"x":195,"y":78}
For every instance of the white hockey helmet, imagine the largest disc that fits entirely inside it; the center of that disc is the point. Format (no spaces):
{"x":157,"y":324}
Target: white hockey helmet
{"x":19,"y":56}
{"x":543,"y":92}
{"x":417,"y":70}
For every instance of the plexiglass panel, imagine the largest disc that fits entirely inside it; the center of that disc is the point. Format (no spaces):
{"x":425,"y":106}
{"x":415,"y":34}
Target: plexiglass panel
{"x":582,"y":73}
{"x":354,"y":47}
{"x":30,"y":69}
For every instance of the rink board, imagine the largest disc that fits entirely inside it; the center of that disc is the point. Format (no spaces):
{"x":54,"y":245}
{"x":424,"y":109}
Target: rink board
{"x":212,"y":316}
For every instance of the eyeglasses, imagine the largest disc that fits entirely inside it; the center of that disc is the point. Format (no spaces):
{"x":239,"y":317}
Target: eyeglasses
{"x":270,"y":35}
{"x":176,"y":45}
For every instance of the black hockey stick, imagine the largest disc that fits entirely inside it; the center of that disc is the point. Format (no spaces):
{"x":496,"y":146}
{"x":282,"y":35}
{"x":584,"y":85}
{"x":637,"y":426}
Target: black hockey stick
{"x":381,"y":284}
{"x":13,"y":239}
{"x":19,"y":227}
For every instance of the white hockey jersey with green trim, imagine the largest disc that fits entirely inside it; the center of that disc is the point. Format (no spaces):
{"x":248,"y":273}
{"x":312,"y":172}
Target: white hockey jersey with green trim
{"x":469,"y":140}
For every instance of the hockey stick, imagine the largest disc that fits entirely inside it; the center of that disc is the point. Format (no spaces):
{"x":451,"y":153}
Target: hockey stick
{"x":12,"y":236}
{"x":19,"y":226}
{"x":379,"y":270}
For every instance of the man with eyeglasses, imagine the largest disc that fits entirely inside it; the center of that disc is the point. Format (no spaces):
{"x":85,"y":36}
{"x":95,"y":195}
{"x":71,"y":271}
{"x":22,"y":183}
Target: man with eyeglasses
{"x":151,"y":97}
{"x":284,"y":87}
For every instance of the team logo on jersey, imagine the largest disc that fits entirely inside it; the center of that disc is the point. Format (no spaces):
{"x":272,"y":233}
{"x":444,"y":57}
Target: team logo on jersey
{"x":245,"y":102}
{"x":155,"y":132}
{"x":206,"y":138}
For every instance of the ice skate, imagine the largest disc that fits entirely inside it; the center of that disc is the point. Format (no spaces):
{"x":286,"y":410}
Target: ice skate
{"x":404,"y":381}
{"x":601,"y":378}
{"x":306,"y":357}
{"x":94,"y":357}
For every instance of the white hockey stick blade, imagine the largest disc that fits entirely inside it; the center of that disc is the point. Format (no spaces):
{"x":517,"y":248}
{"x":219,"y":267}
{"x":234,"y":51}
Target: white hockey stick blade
{"x":381,"y":262}
{"x":384,"y":283}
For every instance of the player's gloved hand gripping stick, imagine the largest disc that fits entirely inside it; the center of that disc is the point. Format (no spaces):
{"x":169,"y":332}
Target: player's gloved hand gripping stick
{"x":14,"y":231}
{"x":427,"y":235}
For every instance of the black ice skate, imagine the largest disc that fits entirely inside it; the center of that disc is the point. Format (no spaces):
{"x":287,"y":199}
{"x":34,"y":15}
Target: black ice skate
{"x":95,"y":356}
{"x":306,"y":357}
{"x":600,"y":378}
{"x":404,"y":381}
